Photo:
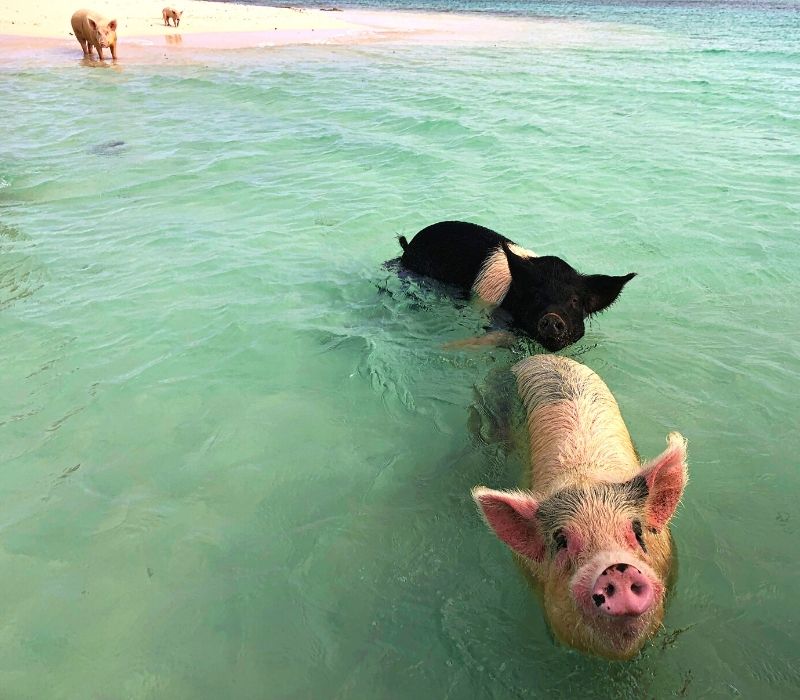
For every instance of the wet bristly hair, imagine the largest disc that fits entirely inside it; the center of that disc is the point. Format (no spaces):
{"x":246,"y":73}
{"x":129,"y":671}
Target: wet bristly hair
{"x":593,"y":507}
{"x":588,"y":425}
{"x":560,"y":511}
{"x":494,"y":278}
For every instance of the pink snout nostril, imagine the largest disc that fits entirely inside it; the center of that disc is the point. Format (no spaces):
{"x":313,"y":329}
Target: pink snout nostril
{"x":623,"y":590}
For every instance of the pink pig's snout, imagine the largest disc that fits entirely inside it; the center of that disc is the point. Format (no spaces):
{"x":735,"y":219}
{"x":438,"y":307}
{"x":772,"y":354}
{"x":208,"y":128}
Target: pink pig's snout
{"x":621,"y":590}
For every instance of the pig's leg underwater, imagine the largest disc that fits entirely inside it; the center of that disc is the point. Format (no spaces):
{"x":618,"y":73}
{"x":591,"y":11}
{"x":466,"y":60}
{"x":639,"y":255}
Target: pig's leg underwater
{"x":496,"y":415}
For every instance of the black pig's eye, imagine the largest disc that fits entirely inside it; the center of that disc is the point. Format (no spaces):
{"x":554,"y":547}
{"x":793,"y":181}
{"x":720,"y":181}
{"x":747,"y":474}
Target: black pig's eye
{"x":637,"y":530}
{"x":560,"y":539}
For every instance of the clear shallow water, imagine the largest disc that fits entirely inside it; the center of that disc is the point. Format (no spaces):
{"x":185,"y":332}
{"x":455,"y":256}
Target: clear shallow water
{"x":235,"y":461}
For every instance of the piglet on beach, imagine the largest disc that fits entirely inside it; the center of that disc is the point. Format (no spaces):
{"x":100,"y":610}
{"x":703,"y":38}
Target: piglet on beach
{"x":91,"y":29}
{"x":545,"y":297}
{"x":169,"y":13}
{"x":593,"y":530}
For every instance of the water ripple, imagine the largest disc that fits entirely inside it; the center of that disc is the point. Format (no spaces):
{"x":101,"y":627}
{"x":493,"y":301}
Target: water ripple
{"x":269,"y":432}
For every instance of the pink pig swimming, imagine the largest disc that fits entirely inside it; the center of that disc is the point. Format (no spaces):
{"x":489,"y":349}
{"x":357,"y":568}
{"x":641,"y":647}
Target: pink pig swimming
{"x":593,"y":531}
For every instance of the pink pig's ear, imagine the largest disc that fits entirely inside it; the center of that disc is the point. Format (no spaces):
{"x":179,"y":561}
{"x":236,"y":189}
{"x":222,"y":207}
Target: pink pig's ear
{"x":112,"y":25}
{"x":512,"y":516}
{"x":666,"y":477}
{"x":92,"y":23}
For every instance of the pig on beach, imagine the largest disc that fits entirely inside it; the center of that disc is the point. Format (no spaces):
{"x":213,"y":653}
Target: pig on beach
{"x":544,"y":296}
{"x":92,"y":29}
{"x":169,"y":13}
{"x":592,"y":532}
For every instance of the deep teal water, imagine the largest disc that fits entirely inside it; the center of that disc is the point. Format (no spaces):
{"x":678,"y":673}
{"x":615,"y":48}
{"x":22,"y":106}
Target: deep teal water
{"x":234,"y":458}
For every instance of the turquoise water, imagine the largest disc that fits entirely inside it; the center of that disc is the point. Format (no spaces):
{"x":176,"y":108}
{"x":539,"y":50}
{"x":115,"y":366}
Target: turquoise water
{"x":234,"y":459}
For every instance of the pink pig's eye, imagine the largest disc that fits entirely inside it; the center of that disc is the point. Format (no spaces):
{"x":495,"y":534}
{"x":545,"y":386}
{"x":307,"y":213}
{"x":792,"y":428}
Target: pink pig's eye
{"x":560,"y":539}
{"x":636,"y":526}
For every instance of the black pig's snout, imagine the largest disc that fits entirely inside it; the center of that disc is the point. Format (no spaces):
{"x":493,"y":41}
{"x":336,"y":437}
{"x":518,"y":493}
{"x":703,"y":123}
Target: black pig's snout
{"x":552,"y":326}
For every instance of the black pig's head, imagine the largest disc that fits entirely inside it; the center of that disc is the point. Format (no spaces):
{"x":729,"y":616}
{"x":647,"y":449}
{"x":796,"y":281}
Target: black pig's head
{"x":550,"y":300}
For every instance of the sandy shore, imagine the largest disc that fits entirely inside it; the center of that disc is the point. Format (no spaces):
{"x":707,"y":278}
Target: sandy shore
{"x":228,"y":25}
{"x":50,"y":18}
{"x":40,"y":30}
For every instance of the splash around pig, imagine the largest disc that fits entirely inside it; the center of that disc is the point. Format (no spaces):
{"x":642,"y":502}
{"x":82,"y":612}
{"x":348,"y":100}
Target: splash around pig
{"x":593,"y":530}
{"x":91,"y":29}
{"x":544,"y":296}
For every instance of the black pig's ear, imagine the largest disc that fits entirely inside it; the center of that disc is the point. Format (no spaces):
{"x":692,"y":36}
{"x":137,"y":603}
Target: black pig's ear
{"x":515,"y":262}
{"x":525,"y":271}
{"x":603,"y":290}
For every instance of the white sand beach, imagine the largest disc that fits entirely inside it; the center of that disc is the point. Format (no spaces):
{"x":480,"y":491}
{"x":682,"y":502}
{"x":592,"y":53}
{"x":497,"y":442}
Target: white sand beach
{"x":50,"y":18}
{"x":241,"y":25}
{"x":42,"y":26}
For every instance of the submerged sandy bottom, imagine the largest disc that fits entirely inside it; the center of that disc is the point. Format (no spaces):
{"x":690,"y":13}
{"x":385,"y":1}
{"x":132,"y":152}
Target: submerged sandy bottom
{"x":235,"y":460}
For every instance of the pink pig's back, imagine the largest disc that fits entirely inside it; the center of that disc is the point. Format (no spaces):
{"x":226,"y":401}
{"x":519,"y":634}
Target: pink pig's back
{"x":80,"y":24}
{"x":577,"y":435}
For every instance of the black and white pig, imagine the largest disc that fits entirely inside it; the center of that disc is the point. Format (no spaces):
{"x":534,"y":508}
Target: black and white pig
{"x":544,"y":296}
